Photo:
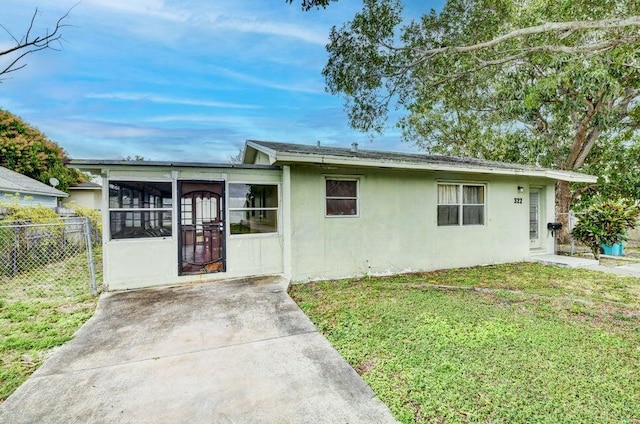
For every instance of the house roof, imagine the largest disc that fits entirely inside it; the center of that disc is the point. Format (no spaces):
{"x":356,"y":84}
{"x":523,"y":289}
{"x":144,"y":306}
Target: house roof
{"x":15,"y":182}
{"x":289,"y":153}
{"x":86,"y":185}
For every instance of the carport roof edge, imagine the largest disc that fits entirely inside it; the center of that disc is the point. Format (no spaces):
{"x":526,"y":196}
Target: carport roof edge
{"x":96,"y":164}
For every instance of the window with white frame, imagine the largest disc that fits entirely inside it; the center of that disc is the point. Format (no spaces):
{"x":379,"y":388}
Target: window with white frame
{"x":461,"y":204}
{"x":341,"y":197}
{"x":139,"y":209}
{"x":253,"y":208}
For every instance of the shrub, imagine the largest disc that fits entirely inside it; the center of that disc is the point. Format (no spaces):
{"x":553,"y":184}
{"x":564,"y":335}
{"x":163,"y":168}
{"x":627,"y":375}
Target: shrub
{"x":606,"y":223}
{"x":95,"y":218}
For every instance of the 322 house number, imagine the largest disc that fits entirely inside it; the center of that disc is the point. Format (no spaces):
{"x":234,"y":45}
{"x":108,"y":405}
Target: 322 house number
{"x":517,"y":200}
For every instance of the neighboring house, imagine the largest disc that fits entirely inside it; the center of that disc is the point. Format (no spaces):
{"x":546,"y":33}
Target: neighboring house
{"x":310,"y":212}
{"x":86,"y":194}
{"x":31,"y":192}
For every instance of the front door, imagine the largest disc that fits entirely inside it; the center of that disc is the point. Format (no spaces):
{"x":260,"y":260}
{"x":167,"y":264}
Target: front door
{"x":201,"y":223}
{"x":534,"y":218}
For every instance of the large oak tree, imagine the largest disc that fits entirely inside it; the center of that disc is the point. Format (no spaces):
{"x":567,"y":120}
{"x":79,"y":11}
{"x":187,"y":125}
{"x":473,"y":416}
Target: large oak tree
{"x":535,"y":81}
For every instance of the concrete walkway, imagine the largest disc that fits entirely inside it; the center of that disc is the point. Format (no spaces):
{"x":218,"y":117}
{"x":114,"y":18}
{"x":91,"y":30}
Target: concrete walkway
{"x":231,"y":352}
{"x":629,"y":270}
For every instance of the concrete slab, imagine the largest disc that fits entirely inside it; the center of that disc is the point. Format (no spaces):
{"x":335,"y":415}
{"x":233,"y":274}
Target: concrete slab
{"x":630,"y":270}
{"x":232,"y":352}
{"x":624,"y":270}
{"x":561,"y":260}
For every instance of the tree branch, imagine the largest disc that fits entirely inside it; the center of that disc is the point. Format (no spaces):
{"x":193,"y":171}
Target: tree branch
{"x":28,"y":44}
{"x":632,"y":21}
{"x":582,"y":142}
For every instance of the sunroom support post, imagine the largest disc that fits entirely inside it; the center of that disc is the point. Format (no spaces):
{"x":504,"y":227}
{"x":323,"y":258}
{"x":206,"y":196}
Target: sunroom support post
{"x":286,"y":220}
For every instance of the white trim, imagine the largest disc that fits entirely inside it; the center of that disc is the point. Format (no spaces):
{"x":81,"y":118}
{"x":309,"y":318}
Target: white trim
{"x":109,"y":209}
{"x":460,"y":192}
{"x":287,"y":259}
{"x":357,"y":198}
{"x":229,"y":209}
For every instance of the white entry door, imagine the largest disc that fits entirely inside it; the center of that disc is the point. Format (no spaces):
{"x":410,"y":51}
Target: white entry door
{"x":534,"y":218}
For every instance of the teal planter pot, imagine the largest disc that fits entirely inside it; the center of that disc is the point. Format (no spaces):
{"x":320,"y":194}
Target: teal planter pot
{"x":615,"y":250}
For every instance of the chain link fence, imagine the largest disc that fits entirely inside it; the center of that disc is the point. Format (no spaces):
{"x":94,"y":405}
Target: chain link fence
{"x":571,"y":246}
{"x":40,"y":253}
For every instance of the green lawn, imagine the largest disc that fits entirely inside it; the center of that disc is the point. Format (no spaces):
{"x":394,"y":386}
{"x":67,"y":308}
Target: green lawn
{"x":501,"y":344}
{"x":38,"y":313}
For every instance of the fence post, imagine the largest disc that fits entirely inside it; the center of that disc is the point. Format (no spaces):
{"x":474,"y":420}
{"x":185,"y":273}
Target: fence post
{"x":92,"y":270}
{"x":14,"y":256}
{"x":572,"y":220}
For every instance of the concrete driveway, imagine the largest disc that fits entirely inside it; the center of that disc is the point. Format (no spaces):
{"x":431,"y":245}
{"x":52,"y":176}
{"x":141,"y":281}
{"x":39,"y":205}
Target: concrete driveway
{"x":228,"y":352}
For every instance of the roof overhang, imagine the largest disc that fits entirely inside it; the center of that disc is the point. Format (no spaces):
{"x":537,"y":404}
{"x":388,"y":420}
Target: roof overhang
{"x":97,"y":166}
{"x":28,"y":192}
{"x":289,"y":158}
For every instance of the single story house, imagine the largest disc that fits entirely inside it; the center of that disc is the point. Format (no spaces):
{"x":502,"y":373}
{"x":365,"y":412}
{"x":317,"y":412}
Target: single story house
{"x":315,"y":212}
{"x":31,"y":192}
{"x":87,"y":194}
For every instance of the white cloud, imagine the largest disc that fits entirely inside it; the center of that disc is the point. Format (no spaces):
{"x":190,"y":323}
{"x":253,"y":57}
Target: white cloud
{"x":311,"y":87}
{"x":274,"y":28}
{"x":203,"y":119}
{"x":149,"y":8}
{"x":168,"y":100}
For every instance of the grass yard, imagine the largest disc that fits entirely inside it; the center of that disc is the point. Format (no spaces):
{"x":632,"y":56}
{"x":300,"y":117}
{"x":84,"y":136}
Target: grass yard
{"x":39,"y":313}
{"x":501,"y":344}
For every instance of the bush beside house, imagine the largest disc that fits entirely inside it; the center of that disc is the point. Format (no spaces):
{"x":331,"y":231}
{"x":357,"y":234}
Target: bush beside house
{"x":606,"y":224}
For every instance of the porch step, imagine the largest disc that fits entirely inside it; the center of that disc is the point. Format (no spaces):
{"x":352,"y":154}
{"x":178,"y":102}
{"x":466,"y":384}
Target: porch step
{"x":565,"y":261}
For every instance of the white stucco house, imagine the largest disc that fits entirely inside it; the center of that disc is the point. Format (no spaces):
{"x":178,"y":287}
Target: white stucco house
{"x":315,"y":212}
{"x":26,"y":190}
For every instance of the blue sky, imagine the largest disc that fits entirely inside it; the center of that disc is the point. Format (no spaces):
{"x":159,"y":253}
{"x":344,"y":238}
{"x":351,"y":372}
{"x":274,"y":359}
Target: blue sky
{"x":186,"y":80}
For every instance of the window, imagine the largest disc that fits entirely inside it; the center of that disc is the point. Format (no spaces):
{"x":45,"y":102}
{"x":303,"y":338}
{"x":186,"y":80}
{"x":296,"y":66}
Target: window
{"x":461,"y":204}
{"x":341,"y":197}
{"x":139,"y":209}
{"x":253,"y":208}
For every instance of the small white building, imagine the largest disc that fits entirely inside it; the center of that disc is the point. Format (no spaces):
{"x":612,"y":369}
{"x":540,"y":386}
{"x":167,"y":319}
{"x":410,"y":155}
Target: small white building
{"x":26,"y":190}
{"x":86,"y":194}
{"x":311,"y":212}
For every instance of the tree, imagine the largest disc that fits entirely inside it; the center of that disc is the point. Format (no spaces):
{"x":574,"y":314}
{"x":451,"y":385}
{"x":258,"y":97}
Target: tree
{"x":135,"y":158}
{"x":310,"y":4}
{"x":539,"y":82}
{"x":616,"y":161}
{"x":238,"y":157}
{"x":22,"y":46}
{"x":26,"y":150}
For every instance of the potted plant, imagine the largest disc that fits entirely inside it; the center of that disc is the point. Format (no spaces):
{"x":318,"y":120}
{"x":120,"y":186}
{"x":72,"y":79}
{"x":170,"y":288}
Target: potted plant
{"x":605,"y":224}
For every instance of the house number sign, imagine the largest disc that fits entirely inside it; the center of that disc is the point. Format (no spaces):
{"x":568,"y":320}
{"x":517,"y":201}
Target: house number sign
{"x":517,"y":200}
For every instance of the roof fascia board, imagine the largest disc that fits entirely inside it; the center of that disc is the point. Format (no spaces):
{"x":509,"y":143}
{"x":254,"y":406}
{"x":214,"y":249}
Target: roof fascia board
{"x":335,"y":160}
{"x":27,"y":192}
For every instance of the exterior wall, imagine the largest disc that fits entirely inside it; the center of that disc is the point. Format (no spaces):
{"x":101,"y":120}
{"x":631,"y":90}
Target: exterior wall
{"x":27,"y":199}
{"x":396,"y":230}
{"x":88,"y":198}
{"x":262,"y":159}
{"x":145,"y":262}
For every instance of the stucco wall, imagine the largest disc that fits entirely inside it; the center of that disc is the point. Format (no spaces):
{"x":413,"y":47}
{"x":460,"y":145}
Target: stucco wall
{"x":397,"y":231}
{"x":134,"y":263}
{"x":88,"y":198}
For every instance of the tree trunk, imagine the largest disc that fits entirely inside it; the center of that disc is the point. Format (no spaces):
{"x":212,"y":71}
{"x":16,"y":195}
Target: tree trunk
{"x":563,"y":206}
